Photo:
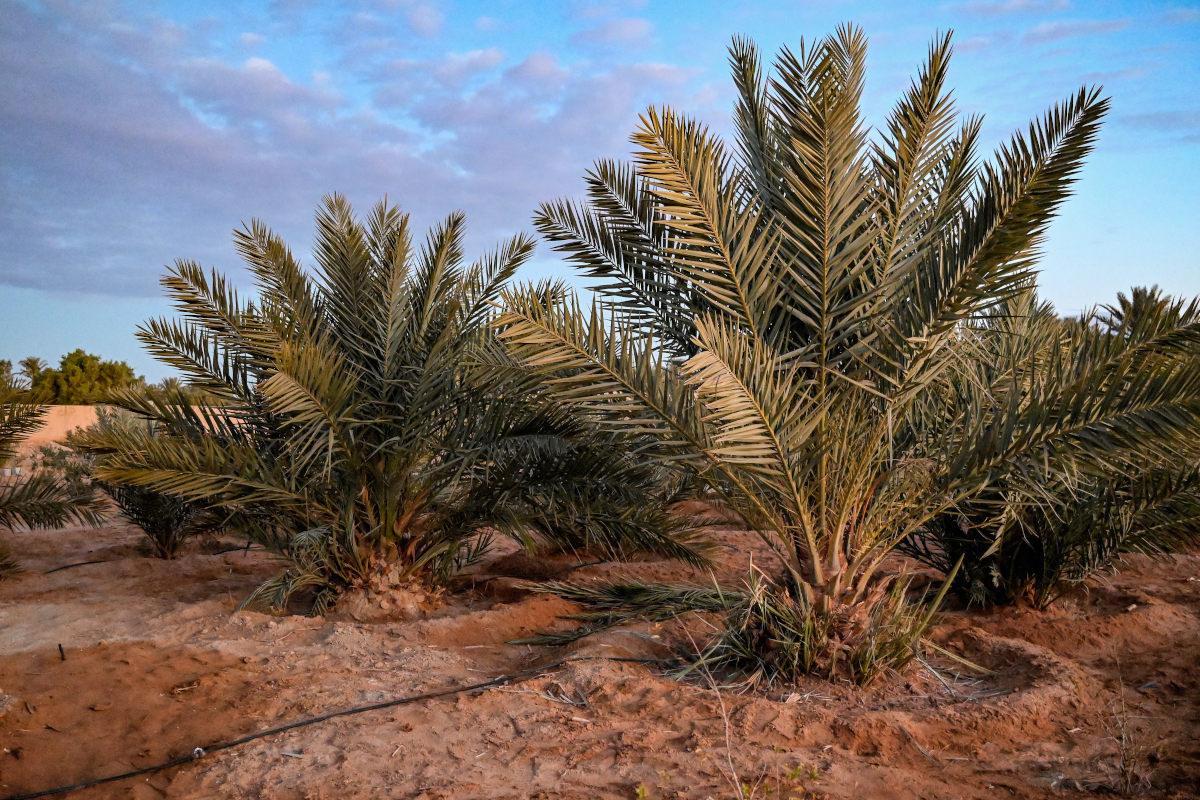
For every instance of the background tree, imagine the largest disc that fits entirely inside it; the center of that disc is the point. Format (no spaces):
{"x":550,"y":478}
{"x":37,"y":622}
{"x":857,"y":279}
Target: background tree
{"x":31,"y":368}
{"x":81,"y":379}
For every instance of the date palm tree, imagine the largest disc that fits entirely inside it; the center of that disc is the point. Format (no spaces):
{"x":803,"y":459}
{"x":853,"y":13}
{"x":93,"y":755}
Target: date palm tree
{"x":363,"y":416}
{"x":778,"y":314}
{"x":31,"y":367}
{"x":1045,"y":524}
{"x":39,"y":500}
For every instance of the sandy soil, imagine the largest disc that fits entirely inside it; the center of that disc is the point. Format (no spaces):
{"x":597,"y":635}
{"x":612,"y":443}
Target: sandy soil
{"x":155,"y":663}
{"x":56,"y":424}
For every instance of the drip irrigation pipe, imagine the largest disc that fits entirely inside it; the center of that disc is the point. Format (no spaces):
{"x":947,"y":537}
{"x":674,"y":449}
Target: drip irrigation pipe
{"x":69,"y":566}
{"x":201,"y":752}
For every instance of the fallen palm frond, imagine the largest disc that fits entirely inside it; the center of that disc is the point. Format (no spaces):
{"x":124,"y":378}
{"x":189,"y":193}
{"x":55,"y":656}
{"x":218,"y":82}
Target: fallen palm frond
{"x":618,"y":604}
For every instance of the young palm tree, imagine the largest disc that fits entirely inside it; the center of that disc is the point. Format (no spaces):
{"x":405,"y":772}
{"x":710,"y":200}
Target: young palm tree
{"x":357,"y":417}
{"x":777,"y":316}
{"x":42,"y":499}
{"x":1044,"y":524}
{"x":168,"y":522}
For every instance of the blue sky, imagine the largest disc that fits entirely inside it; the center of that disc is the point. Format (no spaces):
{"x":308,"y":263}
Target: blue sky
{"x":132,"y":134}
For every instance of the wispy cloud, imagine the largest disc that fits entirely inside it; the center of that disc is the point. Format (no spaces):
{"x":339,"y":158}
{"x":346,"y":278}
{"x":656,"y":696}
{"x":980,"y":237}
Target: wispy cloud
{"x":624,"y":32}
{"x":980,"y":42}
{"x":995,"y":8}
{"x":1070,"y":29}
{"x":1171,"y":121}
{"x":425,"y":19}
{"x":1115,"y":75}
{"x":130,"y":139}
{"x":1182,"y":16}
{"x":152,"y":146}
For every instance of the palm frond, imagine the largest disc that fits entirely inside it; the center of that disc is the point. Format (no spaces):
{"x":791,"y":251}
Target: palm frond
{"x":44,"y":500}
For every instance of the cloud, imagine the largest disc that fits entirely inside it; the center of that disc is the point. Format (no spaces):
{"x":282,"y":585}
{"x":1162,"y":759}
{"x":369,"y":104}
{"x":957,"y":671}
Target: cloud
{"x":987,"y":8}
{"x":1069,"y":29}
{"x":1182,"y":16}
{"x":138,"y":143}
{"x":399,"y":83}
{"x":1170,"y":121}
{"x":457,"y":67}
{"x":1115,"y":75}
{"x":539,"y":69}
{"x":624,"y":32}
{"x":255,"y":95}
{"x":426,"y":20}
{"x":251,"y":41}
{"x":982,"y":42}
{"x":1179,"y":126}
{"x":288,"y":7}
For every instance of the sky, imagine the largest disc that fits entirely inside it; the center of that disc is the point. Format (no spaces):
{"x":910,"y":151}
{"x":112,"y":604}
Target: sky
{"x":133,"y":134}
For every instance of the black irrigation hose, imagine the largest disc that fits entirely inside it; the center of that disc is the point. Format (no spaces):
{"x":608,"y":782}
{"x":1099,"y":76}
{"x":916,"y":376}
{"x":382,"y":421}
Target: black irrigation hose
{"x":69,"y":566}
{"x":200,"y":752}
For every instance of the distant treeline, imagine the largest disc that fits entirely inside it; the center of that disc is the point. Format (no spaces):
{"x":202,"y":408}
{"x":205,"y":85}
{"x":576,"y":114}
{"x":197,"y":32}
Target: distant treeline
{"x":81,"y":378}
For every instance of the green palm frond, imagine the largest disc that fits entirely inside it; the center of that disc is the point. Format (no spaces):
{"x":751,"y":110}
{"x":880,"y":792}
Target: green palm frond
{"x":18,"y":419}
{"x":614,"y":237}
{"x":1082,"y":427}
{"x":598,"y":363}
{"x":720,"y":251}
{"x":42,"y":501}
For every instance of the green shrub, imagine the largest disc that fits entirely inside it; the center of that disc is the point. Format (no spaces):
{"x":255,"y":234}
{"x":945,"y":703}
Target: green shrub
{"x":73,"y":467}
